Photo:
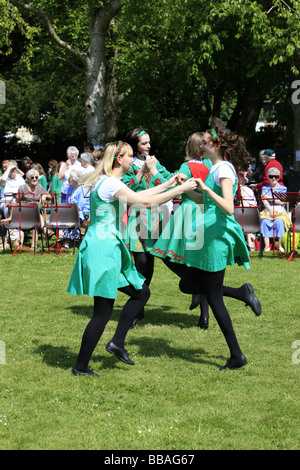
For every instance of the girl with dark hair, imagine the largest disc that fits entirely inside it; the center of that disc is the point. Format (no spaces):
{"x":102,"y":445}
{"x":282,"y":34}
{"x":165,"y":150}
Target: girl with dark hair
{"x":146,"y":172}
{"x":223,"y":242}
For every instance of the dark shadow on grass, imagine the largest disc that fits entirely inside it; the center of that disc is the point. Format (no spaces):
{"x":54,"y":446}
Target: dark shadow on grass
{"x":63,"y":358}
{"x":158,"y":347}
{"x":154,"y":314}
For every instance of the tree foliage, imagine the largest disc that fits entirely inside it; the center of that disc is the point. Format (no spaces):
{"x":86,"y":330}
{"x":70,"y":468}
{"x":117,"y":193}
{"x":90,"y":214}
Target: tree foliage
{"x":171,"y":65}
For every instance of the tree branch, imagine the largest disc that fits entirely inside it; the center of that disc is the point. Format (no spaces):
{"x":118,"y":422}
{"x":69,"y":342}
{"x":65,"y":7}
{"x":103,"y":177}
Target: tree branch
{"x":54,"y":36}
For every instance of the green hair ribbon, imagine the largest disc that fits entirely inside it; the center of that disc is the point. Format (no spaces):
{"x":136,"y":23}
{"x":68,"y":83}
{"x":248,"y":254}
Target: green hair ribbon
{"x":214,"y":133}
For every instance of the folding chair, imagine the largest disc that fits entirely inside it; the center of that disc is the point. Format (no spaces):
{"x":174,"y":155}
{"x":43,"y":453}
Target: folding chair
{"x":23,"y":218}
{"x":249,"y":220}
{"x":62,"y":216}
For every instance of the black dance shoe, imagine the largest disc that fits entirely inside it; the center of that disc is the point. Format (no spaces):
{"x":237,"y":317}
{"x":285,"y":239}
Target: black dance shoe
{"x":195,"y":301}
{"x":120,"y":353}
{"x":88,"y":373}
{"x":235,"y":363}
{"x":250,"y":298}
{"x":203,"y":323}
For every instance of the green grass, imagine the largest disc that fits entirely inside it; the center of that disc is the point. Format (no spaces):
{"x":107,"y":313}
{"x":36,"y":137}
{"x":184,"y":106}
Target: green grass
{"x":175,"y":397}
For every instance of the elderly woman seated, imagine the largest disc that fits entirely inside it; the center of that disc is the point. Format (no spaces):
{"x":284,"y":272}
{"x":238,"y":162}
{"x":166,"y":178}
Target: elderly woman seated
{"x":29,"y":192}
{"x":80,"y":196}
{"x":274,"y":219}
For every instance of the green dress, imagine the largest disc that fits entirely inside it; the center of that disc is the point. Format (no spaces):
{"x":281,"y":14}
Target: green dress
{"x":43,"y":181}
{"x":144,"y":225}
{"x":211,"y":242}
{"x":181,"y":233}
{"x":103,"y":262}
{"x":56,"y":186}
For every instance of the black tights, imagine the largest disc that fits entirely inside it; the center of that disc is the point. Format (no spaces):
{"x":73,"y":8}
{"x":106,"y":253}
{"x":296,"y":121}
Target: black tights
{"x":210,"y":286}
{"x":101,"y":314}
{"x":196,"y":281}
{"x":144,"y":263}
{"x":180,"y":269}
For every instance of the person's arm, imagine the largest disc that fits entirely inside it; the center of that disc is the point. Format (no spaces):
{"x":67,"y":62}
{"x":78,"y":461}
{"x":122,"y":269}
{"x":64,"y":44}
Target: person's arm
{"x":265,"y":198}
{"x":133,"y":180}
{"x":6,"y":174}
{"x":224,"y":202}
{"x":196,"y":197}
{"x":63,"y":169}
{"x":141,"y":173}
{"x":154,"y":196}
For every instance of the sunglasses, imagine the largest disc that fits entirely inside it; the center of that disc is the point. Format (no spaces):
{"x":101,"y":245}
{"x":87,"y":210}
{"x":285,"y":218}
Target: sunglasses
{"x":34,"y":177}
{"x":274,"y":176}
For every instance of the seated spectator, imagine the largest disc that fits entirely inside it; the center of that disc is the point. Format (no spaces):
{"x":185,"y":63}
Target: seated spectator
{"x":274,"y":219}
{"x":87,"y":163}
{"x":26,"y":164}
{"x":268,"y":159}
{"x":88,"y":148}
{"x":73,"y":184}
{"x":3,"y":167}
{"x":98,"y":155}
{"x":31,"y":191}
{"x":10,"y":182}
{"x":246,"y":195}
{"x":72,"y":163}
{"x":42,"y":174}
{"x":80,"y":197}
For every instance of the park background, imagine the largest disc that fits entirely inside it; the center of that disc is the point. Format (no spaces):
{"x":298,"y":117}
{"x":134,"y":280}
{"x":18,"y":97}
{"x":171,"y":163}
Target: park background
{"x":170,"y":66}
{"x":89,"y":71}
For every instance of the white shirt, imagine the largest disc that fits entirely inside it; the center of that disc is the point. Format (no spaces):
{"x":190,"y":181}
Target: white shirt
{"x":223,"y":170}
{"x":85,"y":171}
{"x":248,"y":196}
{"x":65,"y":180}
{"x":108,"y":188}
{"x":12,"y":185}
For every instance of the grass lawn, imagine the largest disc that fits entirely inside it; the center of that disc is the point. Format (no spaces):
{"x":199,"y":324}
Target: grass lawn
{"x":175,"y":397}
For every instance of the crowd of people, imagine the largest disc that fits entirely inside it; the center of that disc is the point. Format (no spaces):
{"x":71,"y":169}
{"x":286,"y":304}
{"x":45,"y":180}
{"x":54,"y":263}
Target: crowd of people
{"x":196,"y":242}
{"x":59,"y":183}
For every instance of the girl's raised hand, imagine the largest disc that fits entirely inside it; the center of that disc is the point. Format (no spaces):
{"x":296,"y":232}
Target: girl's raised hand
{"x":200,"y":184}
{"x":151,"y":162}
{"x":188,"y":185}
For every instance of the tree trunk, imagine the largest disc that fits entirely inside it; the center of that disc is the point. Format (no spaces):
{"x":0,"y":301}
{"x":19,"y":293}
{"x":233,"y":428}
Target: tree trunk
{"x":246,"y":112}
{"x":95,"y":89}
{"x":96,"y":66}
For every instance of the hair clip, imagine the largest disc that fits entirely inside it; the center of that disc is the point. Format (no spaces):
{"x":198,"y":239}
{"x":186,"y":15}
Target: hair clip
{"x":214,"y":133}
{"x":119,"y":146}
